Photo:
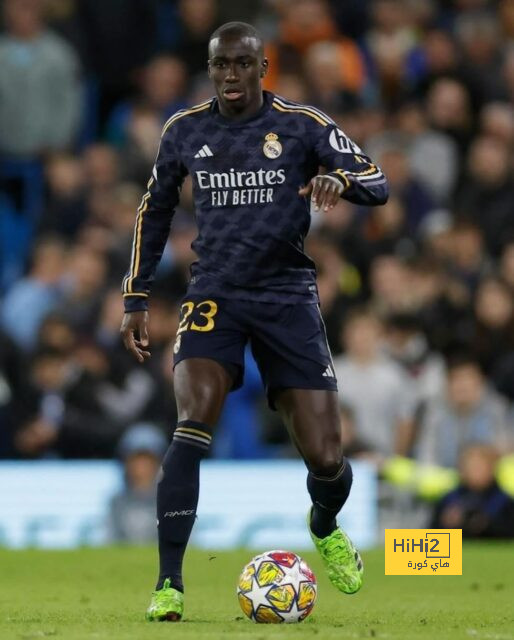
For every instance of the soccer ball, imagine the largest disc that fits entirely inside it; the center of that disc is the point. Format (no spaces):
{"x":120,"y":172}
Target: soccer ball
{"x":277,"y":586}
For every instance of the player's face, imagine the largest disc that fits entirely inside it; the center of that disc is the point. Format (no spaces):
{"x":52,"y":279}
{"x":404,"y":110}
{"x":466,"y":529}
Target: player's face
{"x":236,"y":66}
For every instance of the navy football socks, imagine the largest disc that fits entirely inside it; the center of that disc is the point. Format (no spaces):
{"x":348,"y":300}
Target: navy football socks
{"x":328,"y":496}
{"x":177,"y":497}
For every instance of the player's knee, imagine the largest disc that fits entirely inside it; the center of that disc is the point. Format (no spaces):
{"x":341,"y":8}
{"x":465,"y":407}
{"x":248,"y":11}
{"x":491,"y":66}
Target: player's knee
{"x":326,"y":459}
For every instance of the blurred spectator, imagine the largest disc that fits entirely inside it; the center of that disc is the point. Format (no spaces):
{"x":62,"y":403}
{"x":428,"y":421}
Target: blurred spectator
{"x":125,"y":199}
{"x":38,"y":292}
{"x":478,"y":34}
{"x":487,"y":195}
{"x":507,"y":264}
{"x":82,"y":288}
{"x":335,"y":75}
{"x":334,"y":64}
{"x":449,"y":111}
{"x":375,"y":388}
{"x":468,"y":261}
{"x":390,"y":41}
{"x":57,"y":333}
{"x":162,"y":88}
{"x":198,"y":19}
{"x":132,"y":511}
{"x":437,"y":57}
{"x":432,"y":154}
{"x":494,"y":317}
{"x":11,"y":385}
{"x":116,"y":39}
{"x":342,"y":225}
{"x":101,"y":168}
{"x":174,"y":271}
{"x":406,"y":343}
{"x":38,"y":65}
{"x":137,"y":155}
{"x":477,"y":506}
{"x":497,"y":121}
{"x":392,"y":153}
{"x":386,"y":230}
{"x":390,"y":280}
{"x":469,"y":411}
{"x":58,"y":414}
{"x":339,"y":284}
{"x":65,"y":211}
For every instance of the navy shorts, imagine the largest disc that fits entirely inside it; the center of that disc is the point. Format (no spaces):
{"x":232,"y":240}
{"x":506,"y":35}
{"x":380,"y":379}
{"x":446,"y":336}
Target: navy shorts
{"x":288,"y":341}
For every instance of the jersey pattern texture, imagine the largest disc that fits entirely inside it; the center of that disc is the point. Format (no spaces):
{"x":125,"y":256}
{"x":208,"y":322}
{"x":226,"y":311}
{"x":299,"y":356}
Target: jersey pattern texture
{"x":251,"y":220}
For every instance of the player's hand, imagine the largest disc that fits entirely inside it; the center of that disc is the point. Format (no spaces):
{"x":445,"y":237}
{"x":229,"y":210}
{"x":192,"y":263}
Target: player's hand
{"x":135,"y":334}
{"x":325,"y":191}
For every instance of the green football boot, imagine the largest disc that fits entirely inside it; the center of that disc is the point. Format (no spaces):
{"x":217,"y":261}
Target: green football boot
{"x":167,"y":604}
{"x":341,"y":558}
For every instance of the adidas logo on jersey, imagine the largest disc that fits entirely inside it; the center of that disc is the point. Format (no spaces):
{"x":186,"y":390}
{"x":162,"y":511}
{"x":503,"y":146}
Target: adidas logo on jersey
{"x":204,"y":152}
{"x":329,"y":372}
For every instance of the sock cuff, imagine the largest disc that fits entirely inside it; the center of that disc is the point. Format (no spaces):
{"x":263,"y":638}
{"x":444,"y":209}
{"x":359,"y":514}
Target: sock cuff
{"x":194,"y":433}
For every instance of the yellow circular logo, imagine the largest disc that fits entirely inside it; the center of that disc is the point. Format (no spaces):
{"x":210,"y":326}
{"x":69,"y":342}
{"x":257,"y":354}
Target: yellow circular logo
{"x":272,"y":147}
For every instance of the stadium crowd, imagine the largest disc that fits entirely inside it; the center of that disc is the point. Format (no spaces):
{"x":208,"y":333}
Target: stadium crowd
{"x":417,"y":295}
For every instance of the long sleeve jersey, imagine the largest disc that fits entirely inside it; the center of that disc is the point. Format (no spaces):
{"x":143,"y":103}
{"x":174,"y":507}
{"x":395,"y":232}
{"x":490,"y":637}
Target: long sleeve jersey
{"x":251,"y":220}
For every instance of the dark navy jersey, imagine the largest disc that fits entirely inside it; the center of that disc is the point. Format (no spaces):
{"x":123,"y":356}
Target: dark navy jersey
{"x":251,"y":220}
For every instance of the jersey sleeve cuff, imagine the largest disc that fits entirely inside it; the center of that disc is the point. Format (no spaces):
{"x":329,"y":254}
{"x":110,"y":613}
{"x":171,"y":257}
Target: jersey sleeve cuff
{"x":341,"y":176}
{"x":135,"y":302}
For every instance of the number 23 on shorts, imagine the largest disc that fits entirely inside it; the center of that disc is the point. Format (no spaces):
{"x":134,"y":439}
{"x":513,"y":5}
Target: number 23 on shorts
{"x":203,"y":318}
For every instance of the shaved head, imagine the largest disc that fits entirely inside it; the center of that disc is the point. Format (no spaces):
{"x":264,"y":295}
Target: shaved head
{"x":237,"y":31}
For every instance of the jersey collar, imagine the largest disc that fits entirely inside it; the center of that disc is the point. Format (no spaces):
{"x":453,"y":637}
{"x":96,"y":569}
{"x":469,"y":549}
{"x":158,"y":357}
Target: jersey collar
{"x":267,"y":101}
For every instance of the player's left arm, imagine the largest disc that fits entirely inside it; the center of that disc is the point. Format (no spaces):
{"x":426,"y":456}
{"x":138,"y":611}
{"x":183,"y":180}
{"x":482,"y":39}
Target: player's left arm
{"x":351,"y":173}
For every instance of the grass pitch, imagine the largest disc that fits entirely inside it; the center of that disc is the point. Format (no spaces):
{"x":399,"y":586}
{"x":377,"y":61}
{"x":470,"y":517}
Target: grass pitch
{"x":97,"y":594}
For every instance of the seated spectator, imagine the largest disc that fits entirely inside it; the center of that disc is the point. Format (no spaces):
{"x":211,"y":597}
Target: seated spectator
{"x":58,"y":413}
{"x":374,"y":387}
{"x":507,"y":264}
{"x":132,"y":511}
{"x":83,"y":288}
{"x":468,"y":262}
{"x":438,"y":56}
{"x":407,"y":344}
{"x":469,"y":411}
{"x":493,"y":334}
{"x":449,"y":111}
{"x":11,"y":381}
{"x":478,"y":35}
{"x":477,"y":506}
{"x":161,"y":93}
{"x":39,"y":292}
{"x":432,"y":154}
{"x":39,"y":84}
{"x":339,"y":284}
{"x":497,"y":122}
{"x":392,"y":154}
{"x":390,"y":40}
{"x":390,"y":284}
{"x":385,"y":230}
{"x":198,"y":19}
{"x":137,"y":155}
{"x":65,"y":211}
{"x":335,"y":69}
{"x":334,"y":72}
{"x":487,"y":194}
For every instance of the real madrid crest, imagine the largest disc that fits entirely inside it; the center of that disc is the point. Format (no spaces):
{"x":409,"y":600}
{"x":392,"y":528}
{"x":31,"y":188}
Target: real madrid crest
{"x":272,"y":147}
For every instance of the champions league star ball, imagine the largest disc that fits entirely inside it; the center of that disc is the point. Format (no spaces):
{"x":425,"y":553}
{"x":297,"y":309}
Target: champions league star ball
{"x":277,"y":586}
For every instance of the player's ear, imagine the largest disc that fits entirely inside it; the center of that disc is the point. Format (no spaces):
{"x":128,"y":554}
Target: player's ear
{"x":264,"y":67}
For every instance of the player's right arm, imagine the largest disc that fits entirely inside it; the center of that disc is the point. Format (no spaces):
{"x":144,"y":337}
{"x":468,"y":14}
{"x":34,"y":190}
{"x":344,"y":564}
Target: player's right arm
{"x":151,"y":232}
